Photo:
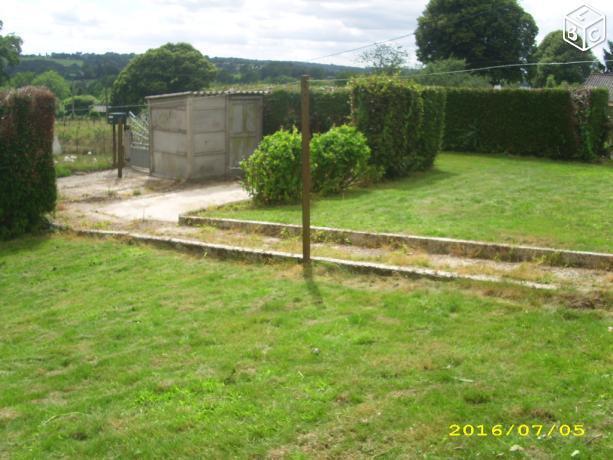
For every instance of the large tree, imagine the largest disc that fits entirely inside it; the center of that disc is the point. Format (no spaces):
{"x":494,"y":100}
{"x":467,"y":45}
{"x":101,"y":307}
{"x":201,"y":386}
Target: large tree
{"x":10,"y":49}
{"x":482,"y":32}
{"x":168,"y":69}
{"x":553,"y":48}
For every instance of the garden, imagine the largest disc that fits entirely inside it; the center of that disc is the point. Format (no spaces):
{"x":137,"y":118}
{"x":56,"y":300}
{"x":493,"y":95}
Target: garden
{"x":116,"y":348}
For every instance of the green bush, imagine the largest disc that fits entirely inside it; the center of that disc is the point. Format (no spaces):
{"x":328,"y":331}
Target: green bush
{"x":27,"y":174}
{"x":339,"y":158}
{"x":272,"y":172}
{"x":402,"y":122}
{"x":554,"y":123}
{"x":82,"y":104}
{"x":329,"y":107}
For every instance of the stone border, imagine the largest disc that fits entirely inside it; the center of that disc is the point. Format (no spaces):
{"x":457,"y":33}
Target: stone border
{"x":433,"y":245}
{"x":222,"y":251}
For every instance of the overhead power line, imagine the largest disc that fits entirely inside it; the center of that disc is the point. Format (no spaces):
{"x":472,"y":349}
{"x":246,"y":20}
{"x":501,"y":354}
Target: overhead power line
{"x":361,"y":47}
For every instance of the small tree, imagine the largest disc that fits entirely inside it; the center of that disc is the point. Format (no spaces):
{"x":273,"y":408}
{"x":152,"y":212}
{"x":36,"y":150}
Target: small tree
{"x":608,"y":57}
{"x":385,"y":59}
{"x":54,"y":82}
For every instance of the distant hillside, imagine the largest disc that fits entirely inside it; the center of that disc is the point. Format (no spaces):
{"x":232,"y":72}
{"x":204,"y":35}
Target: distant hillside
{"x":92,"y":66}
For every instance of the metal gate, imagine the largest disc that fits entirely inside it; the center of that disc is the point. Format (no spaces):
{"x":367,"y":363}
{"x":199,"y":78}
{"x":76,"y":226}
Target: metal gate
{"x":137,"y":153}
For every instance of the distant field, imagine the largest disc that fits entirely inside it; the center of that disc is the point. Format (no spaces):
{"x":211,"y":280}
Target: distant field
{"x":122,"y":351}
{"x":480,"y":197}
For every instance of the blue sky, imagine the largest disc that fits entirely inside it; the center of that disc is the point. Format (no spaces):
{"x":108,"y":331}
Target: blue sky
{"x":260,"y":29}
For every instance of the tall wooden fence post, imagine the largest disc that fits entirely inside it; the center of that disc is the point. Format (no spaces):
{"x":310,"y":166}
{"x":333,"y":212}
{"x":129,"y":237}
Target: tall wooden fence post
{"x":120,"y":150}
{"x":306,"y":171}
{"x":114,"y":145}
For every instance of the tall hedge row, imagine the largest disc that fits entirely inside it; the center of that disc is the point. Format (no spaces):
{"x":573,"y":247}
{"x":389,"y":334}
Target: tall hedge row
{"x":329,"y":108}
{"x":27,"y":174}
{"x":402,"y":122}
{"x":554,"y":123}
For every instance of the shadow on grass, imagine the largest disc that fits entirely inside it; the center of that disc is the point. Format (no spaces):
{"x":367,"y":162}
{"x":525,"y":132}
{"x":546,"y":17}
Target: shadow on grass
{"x":27,"y":242}
{"x":311,"y":284}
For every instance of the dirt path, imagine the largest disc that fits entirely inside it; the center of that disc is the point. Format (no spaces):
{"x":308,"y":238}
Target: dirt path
{"x":138,"y":196}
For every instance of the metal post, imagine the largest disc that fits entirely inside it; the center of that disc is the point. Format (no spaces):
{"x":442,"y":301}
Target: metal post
{"x":120,"y":149}
{"x":306,"y":171}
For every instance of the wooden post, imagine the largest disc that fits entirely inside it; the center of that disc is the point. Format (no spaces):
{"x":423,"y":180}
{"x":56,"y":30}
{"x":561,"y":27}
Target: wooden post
{"x":120,"y":150}
{"x":114,"y":146}
{"x":306,"y":171}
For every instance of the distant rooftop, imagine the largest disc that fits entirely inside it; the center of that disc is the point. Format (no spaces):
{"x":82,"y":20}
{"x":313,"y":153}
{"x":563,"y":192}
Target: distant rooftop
{"x":601,"y":80}
{"x":209,"y":93}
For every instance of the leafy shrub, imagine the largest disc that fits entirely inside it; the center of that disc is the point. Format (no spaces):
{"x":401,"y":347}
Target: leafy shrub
{"x":339,"y":158}
{"x":27,"y":175}
{"x":272,"y":172}
{"x":555,"y":123}
{"x":82,"y":103}
{"x":402,"y":122}
{"x":329,"y":107}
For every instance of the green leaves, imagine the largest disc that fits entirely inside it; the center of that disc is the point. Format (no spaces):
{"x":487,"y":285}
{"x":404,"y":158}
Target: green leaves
{"x":402,"y":122}
{"x":171,"y":68}
{"x":339,"y":158}
{"x":27,"y":175}
{"x":545,"y":123}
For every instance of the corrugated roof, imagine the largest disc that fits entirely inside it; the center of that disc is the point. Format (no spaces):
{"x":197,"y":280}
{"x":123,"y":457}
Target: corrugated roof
{"x":209,"y":93}
{"x":601,"y":80}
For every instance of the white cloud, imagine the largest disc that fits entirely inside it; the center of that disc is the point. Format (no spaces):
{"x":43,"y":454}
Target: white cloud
{"x":261,"y":29}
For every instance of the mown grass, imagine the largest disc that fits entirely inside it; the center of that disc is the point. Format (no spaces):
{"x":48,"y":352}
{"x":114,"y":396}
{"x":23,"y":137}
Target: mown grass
{"x":115,"y":350}
{"x":479,"y":197}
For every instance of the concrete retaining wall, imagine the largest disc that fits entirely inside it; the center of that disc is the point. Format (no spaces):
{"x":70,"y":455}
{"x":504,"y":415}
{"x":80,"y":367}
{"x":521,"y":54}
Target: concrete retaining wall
{"x":461,"y":248}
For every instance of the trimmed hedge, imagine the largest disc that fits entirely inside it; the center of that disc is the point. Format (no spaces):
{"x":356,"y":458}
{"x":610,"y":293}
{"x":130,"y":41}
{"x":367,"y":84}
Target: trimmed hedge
{"x":27,"y":174}
{"x":554,"y":123}
{"x":329,"y":108}
{"x":402,"y":122}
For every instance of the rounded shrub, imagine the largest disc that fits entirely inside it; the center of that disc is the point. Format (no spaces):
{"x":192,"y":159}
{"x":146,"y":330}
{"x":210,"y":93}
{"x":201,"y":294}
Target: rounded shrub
{"x":339,"y":158}
{"x":272,"y":172}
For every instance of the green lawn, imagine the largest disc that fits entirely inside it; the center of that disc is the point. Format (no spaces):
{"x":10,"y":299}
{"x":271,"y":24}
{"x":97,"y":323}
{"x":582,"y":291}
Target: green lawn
{"x":122,"y":351}
{"x":492,"y":198}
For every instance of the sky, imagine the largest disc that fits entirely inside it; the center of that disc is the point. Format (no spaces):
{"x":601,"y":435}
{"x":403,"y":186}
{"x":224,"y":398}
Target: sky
{"x":297,"y":30}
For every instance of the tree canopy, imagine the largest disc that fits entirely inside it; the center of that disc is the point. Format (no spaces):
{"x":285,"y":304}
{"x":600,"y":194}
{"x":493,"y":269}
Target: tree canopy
{"x":483,"y":32}
{"x":171,"y":68}
{"x":385,"y":59}
{"x":54,"y":82}
{"x":10,"y":49}
{"x":553,"y":48}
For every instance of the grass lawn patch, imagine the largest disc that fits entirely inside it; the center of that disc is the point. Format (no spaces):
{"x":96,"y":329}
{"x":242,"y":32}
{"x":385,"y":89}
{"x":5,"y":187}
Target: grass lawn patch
{"x":66,"y":165}
{"x":478,"y":197}
{"x":116,"y":350}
